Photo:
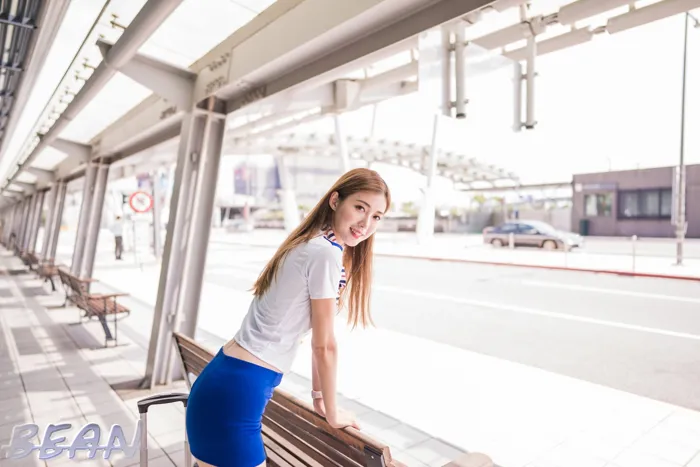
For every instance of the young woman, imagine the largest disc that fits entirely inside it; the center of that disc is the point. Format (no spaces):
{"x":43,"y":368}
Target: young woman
{"x":324,"y":265}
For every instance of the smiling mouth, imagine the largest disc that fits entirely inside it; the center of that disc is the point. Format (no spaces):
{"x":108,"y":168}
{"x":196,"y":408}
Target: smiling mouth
{"x":355,"y":233}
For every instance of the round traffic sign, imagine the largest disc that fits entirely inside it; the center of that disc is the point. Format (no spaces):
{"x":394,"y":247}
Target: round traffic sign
{"x":140,"y":201}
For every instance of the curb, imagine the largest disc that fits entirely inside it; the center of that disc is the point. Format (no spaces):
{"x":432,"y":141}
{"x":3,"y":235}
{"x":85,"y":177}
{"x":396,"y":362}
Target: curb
{"x":513,"y":265}
{"x":540,"y":266}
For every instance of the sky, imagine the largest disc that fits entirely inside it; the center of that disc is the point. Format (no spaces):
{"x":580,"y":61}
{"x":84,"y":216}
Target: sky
{"x":613,"y":103}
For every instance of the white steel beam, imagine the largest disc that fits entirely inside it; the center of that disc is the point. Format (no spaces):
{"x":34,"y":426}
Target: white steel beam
{"x":168,"y":81}
{"x":554,"y":44}
{"x":253,"y":64}
{"x":331,"y":37}
{"x":43,"y":177}
{"x":26,"y":186}
{"x":74,"y":150}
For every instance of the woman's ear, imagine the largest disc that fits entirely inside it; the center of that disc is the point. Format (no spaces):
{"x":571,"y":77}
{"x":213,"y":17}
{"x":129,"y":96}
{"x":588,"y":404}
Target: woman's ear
{"x":333,"y":201}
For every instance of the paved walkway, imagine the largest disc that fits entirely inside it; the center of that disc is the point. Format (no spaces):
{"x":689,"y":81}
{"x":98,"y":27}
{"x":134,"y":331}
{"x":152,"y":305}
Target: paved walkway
{"x":53,"y":371}
{"x":419,"y":395}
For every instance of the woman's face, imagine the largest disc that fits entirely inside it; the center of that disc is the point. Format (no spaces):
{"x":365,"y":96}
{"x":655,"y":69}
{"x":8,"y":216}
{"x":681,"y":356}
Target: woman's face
{"x":356,"y":217}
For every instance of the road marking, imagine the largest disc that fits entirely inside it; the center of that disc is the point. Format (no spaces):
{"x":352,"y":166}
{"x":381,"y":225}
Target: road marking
{"x":531,"y":311}
{"x":612,"y":291}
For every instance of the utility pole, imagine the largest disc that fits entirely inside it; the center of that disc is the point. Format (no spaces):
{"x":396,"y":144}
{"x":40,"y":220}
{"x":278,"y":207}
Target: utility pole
{"x":680,"y":185}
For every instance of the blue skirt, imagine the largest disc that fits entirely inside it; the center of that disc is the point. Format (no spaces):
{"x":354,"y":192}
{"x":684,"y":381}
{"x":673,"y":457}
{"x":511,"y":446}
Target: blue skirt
{"x":225,"y":409}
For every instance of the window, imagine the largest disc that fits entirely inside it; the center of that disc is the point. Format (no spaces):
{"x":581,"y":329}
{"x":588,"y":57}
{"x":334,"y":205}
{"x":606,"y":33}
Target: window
{"x":666,"y":203}
{"x":507,"y":228}
{"x":598,"y":205}
{"x":645,"y":204}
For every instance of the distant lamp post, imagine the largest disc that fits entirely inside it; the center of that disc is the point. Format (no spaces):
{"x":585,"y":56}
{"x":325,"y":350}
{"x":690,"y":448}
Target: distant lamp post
{"x":680,"y":185}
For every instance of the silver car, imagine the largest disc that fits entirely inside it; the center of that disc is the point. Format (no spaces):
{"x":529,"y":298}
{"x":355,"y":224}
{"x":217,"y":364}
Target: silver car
{"x":531,"y":234}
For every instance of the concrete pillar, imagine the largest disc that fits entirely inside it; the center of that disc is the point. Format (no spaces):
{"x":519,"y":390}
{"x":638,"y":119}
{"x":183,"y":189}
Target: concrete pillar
{"x":93,"y":231}
{"x":83,"y":219}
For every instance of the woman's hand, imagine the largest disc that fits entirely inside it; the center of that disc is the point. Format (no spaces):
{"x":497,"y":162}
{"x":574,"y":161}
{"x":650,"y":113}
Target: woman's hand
{"x":343,"y":419}
{"x":320,"y":407}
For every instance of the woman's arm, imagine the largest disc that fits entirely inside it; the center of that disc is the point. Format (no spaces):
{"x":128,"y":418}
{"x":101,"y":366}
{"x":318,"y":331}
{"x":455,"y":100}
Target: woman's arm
{"x":325,"y":360}
{"x":319,"y":407}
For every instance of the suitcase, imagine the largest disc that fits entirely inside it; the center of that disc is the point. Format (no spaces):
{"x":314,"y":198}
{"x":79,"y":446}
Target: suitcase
{"x":144,"y":405}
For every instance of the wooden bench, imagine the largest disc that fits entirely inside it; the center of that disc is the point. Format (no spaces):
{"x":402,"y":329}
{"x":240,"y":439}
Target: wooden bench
{"x":47,"y":270}
{"x":98,"y":306}
{"x":296,"y":436}
{"x":32,"y":260}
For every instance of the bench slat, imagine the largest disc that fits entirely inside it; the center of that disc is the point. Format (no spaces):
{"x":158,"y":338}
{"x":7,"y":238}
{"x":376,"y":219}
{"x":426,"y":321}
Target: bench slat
{"x":332,"y":448}
{"x":274,"y":460}
{"x":311,"y":456}
{"x":288,"y":456}
{"x":348,"y":435}
{"x":192,"y":361}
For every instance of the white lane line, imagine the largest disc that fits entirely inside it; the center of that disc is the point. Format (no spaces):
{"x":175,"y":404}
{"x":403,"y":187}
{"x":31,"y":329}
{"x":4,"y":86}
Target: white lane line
{"x":532,"y":311}
{"x":628,"y":293}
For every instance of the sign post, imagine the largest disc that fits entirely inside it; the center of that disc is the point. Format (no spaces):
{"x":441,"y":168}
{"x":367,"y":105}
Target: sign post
{"x":141,"y":202}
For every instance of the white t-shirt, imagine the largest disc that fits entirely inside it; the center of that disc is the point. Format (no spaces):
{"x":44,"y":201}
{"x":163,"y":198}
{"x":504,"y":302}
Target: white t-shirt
{"x":277,"y":322}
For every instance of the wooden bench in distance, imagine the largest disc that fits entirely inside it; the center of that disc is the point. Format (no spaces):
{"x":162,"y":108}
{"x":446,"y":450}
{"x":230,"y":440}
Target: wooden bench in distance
{"x":98,"y":306}
{"x":45,"y":269}
{"x":295,"y":435}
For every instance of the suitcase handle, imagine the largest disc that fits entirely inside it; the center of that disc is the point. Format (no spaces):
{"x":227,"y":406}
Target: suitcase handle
{"x":158,"y":399}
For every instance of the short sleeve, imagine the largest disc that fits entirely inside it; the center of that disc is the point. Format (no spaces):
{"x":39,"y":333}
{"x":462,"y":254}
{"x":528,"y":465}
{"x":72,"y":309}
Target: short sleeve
{"x":324,"y":270}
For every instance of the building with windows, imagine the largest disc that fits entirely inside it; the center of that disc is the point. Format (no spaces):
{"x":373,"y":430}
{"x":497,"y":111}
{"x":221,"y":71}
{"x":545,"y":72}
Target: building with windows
{"x":634,"y":202}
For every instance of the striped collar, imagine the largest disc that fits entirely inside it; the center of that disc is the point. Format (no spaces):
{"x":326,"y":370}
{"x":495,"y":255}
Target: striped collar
{"x":330,"y":236}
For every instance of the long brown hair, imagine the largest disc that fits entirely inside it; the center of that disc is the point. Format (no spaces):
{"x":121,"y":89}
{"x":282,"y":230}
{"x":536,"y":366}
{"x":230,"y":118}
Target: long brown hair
{"x":356,"y":260}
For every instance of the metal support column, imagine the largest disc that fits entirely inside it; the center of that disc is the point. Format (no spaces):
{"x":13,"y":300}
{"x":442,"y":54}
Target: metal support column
{"x":517,"y":96}
{"x":426,"y":218}
{"x":17,"y":223}
{"x":200,"y":228}
{"x":57,"y":219}
{"x":9,"y":225}
{"x":160,"y":343}
{"x":19,"y":226}
{"x":460,"y":70}
{"x":83,"y":219}
{"x":36,"y":222}
{"x":289,"y":198}
{"x":434,"y":81}
{"x":530,"y":121}
{"x":48,"y":227}
{"x":27,"y":221}
{"x":530,"y":72}
{"x":681,"y":188}
{"x":93,"y":231}
{"x":341,"y":143}
{"x":157,"y":208}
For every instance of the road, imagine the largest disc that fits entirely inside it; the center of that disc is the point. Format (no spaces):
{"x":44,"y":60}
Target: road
{"x":654,"y":247}
{"x":637,"y":335}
